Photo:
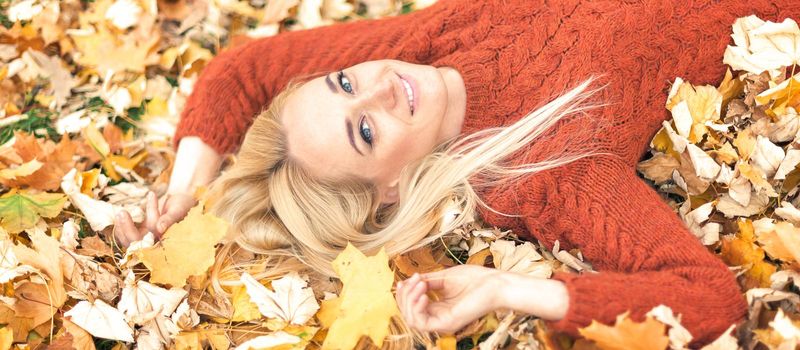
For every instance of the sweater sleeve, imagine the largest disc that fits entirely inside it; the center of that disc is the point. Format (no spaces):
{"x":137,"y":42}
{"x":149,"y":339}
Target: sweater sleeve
{"x":642,"y":251}
{"x":238,"y":83}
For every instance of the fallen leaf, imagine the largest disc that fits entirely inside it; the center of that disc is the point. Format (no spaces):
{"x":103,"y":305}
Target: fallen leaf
{"x":81,"y":339}
{"x":186,"y":249}
{"x":763,"y":46}
{"x":94,"y":246}
{"x":56,"y":159}
{"x":417,"y":261}
{"x":521,"y":258}
{"x":291,"y":301}
{"x":679,"y":336}
{"x":20,"y":171}
{"x":39,"y":301}
{"x":21,"y":210}
{"x":98,"y":213}
{"x":627,"y":334}
{"x":100,"y":320}
{"x":659,"y":168}
{"x":366,"y":302}
{"x":742,"y":251}
{"x":281,"y":340}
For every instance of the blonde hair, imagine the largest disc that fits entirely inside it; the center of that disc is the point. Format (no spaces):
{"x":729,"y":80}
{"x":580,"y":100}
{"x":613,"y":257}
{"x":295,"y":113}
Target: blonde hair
{"x":299,"y":222}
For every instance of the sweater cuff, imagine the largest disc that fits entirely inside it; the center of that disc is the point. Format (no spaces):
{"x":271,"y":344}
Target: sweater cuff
{"x":582,"y":303}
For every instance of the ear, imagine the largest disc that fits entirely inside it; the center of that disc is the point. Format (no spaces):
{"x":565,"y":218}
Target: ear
{"x":388,"y":194}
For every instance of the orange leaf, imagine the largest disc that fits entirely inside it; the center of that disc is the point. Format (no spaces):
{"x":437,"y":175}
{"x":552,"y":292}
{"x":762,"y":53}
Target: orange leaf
{"x":627,"y":334}
{"x":742,"y":251}
{"x":56,"y":161}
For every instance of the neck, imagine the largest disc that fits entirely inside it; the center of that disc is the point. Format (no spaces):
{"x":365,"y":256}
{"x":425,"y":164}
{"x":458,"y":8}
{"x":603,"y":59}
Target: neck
{"x":456,"y":102}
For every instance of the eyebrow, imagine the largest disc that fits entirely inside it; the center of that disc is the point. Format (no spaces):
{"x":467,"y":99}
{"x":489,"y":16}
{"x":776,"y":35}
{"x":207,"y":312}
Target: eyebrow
{"x":331,"y":85}
{"x":349,"y":127}
{"x":347,"y":124}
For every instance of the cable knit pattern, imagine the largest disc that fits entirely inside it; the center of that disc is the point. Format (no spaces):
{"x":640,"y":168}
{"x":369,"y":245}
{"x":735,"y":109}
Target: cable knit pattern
{"x":514,"y":56}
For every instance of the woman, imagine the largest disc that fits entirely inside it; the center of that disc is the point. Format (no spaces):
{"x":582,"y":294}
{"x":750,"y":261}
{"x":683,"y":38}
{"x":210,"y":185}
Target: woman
{"x":342,"y":156}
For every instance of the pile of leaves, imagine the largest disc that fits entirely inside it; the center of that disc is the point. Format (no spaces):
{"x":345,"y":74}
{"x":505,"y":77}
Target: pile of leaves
{"x":91,"y":91}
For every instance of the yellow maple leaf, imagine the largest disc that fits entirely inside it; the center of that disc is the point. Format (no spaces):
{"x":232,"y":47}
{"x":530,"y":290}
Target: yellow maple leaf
{"x":243,"y":308}
{"x":366,"y":304}
{"x":21,"y":210}
{"x":627,"y":334}
{"x":186,"y":249}
{"x":103,"y":50}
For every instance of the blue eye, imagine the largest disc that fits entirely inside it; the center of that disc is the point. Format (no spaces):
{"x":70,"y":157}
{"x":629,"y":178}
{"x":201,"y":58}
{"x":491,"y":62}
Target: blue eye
{"x":365,"y":131}
{"x":345,"y":86}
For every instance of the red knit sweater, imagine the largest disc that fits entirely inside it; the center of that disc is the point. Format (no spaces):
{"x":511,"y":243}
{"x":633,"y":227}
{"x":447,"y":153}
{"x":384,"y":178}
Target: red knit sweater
{"x":515,"y":55}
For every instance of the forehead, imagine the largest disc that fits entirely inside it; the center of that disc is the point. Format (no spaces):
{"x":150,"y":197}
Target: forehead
{"x":314,"y":120}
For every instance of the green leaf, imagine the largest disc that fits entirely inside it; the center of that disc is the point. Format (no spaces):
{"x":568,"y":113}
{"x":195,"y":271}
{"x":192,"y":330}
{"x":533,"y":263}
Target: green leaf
{"x":21,"y":210}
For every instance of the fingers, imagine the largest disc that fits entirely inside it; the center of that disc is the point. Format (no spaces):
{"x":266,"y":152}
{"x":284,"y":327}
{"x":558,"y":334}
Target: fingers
{"x":151,"y":212}
{"x":124,"y":229}
{"x":162,"y":203}
{"x":175,"y":209}
{"x":434,"y":280}
{"x":412,"y":301}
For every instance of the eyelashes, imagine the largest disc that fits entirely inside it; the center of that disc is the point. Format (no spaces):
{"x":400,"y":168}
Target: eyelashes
{"x":363,"y":128}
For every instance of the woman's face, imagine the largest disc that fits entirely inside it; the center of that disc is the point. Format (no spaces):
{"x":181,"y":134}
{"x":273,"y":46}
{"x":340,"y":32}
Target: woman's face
{"x":358,"y":122}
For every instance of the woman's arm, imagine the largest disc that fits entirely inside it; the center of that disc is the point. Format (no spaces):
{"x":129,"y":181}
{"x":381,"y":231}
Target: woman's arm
{"x":196,"y":165}
{"x":546,"y":298}
{"x":240,"y":82}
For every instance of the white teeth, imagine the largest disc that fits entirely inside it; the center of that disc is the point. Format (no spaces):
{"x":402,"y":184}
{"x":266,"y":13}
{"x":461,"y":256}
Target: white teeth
{"x":410,"y":93}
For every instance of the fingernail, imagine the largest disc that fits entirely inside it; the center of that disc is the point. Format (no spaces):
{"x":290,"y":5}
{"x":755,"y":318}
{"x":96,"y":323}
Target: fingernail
{"x":162,"y":226}
{"x":119,"y":215}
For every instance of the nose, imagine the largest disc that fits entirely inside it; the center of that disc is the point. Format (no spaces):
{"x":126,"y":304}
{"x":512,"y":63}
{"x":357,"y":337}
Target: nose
{"x":380,"y":96}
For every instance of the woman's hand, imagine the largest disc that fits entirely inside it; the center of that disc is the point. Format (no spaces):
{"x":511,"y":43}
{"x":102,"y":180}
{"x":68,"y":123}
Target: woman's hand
{"x":159,"y":215}
{"x":466,"y":293}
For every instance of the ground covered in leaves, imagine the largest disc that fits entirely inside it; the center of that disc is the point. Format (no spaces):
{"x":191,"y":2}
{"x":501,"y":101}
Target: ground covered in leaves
{"x":91,"y":91}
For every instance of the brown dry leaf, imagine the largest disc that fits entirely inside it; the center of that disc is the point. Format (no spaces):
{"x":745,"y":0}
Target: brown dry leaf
{"x":186,"y":249}
{"x":742,"y":251}
{"x":21,"y":326}
{"x":89,"y":279}
{"x":63,"y":341}
{"x":627,"y":334}
{"x":725,"y":154}
{"x":417,"y":261}
{"x":34,"y":300}
{"x":694,"y":183}
{"x":94,"y":246}
{"x":659,"y":168}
